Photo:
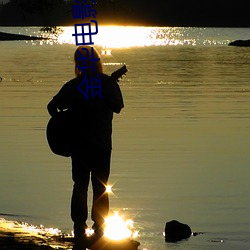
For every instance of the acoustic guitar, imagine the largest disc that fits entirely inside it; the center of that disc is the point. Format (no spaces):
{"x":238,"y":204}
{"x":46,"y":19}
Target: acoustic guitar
{"x":59,"y":127}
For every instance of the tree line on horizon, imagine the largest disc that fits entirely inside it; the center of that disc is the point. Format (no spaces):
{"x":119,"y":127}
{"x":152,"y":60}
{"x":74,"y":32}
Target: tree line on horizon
{"x":215,"y":13}
{"x":56,"y":12}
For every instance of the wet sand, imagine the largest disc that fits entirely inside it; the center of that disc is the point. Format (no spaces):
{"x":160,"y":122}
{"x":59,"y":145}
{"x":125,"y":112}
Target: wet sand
{"x":15,"y":235}
{"x":12,"y":241}
{"x":9,"y":241}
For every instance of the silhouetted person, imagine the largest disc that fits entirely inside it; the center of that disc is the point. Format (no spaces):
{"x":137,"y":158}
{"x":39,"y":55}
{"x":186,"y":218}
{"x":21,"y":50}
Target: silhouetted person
{"x":91,"y":136}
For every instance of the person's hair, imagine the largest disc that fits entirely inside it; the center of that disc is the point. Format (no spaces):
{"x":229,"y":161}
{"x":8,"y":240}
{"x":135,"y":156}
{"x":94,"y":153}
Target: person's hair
{"x":83,"y":58}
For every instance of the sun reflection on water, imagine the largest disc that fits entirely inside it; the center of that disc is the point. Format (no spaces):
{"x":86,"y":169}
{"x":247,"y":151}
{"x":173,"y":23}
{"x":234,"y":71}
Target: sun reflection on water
{"x":116,"y":228}
{"x":109,"y":189}
{"x":110,"y":37}
{"x":30,"y":229}
{"x":113,"y":36}
{"x":130,"y":36}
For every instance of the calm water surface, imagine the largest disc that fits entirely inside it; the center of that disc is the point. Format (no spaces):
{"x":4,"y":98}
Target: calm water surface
{"x":180,"y":146}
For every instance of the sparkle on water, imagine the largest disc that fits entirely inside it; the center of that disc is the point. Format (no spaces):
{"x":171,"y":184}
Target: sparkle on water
{"x":116,"y":228}
{"x":109,"y":189}
{"x":110,"y":37}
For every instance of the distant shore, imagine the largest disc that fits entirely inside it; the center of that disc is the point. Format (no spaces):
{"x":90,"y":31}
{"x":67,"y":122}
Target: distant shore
{"x":240,"y":43}
{"x":15,"y":37}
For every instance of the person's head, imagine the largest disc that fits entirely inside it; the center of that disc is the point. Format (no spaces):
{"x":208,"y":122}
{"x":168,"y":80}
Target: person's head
{"x":83,"y":58}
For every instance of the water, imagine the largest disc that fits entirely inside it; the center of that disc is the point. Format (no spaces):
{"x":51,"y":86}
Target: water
{"x":180,"y":146}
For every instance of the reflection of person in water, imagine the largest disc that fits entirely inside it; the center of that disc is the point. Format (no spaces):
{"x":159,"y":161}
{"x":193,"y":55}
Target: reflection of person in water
{"x":92,"y":128}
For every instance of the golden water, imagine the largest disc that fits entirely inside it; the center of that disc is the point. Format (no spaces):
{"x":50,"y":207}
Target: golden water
{"x":180,"y":145}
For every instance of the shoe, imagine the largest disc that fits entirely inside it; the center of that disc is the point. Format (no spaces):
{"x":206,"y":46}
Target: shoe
{"x":78,"y":247}
{"x":80,"y":237}
{"x":98,"y":229}
{"x":98,"y":234}
{"x":81,"y":242}
{"x":79,"y":229}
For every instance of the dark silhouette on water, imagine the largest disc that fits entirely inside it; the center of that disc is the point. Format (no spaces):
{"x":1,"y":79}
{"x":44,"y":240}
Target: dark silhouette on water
{"x":12,"y":37}
{"x":176,"y":231}
{"x":59,"y":127}
{"x":91,"y":128}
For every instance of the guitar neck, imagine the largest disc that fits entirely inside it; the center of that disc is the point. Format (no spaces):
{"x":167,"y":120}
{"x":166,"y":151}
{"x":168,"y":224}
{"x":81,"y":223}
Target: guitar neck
{"x":119,"y":73}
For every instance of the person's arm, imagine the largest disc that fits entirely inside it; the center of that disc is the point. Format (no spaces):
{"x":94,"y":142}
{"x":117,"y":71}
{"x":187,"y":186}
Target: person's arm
{"x":52,"y":108}
{"x":117,"y":101}
{"x":60,"y":101}
{"x":113,"y":96}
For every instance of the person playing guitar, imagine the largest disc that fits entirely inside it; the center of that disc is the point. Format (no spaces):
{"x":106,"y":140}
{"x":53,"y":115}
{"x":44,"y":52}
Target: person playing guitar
{"x":81,"y":127}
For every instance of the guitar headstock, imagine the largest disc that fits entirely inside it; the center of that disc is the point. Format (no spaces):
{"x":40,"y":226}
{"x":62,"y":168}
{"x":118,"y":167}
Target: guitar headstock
{"x":119,"y":73}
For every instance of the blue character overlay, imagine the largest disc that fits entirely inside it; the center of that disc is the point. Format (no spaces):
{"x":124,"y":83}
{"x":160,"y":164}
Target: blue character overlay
{"x":94,"y":2}
{"x":83,"y":10}
{"x":85,"y":32}
{"x":92,"y":86}
{"x":93,"y":59}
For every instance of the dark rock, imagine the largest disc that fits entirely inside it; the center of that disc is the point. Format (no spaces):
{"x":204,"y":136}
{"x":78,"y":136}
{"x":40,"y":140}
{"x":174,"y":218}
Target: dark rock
{"x":104,"y":244}
{"x":197,"y":233}
{"x":12,"y":37}
{"x":240,"y":43}
{"x":176,"y":231}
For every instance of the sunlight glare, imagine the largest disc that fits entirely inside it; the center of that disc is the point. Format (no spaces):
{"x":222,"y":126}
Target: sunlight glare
{"x":28,"y":229}
{"x":89,"y":232}
{"x":117,"y":228}
{"x":111,"y":37}
{"x":122,"y":36}
{"x":108,"y":189}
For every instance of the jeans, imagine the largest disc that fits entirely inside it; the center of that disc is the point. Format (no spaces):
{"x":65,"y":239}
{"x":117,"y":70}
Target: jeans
{"x":86,"y":163}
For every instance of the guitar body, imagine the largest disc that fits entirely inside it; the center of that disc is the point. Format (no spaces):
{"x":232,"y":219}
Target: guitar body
{"x":60,"y":128}
{"x":59,"y":133}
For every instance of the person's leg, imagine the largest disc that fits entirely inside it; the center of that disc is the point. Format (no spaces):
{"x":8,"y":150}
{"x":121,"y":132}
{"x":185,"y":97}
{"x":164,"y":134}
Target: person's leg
{"x":79,"y":207}
{"x":99,"y":178}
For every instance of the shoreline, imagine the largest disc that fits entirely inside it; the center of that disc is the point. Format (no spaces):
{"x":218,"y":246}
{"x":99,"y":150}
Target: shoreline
{"x":18,"y":235}
{"x":15,"y":236}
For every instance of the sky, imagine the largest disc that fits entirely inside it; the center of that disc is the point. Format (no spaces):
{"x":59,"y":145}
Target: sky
{"x":194,"y":12}
{"x":184,"y":12}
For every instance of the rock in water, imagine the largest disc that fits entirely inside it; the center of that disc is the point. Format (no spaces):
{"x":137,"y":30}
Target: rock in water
{"x":176,"y":231}
{"x":240,"y":43}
